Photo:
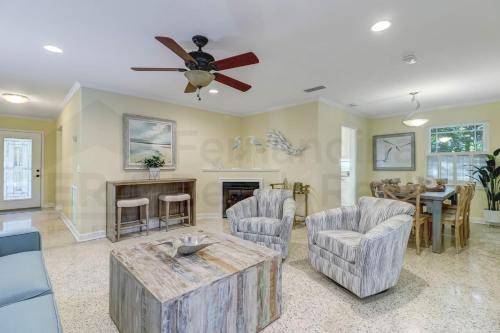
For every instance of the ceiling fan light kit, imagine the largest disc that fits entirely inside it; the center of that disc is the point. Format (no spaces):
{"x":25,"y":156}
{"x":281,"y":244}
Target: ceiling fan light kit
{"x":199,"y":78}
{"x":200,"y":65}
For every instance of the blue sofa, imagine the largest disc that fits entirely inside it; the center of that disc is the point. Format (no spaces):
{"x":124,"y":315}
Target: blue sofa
{"x":27,"y":302}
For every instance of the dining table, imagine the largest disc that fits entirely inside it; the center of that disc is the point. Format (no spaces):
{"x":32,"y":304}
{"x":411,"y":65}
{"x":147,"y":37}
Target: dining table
{"x":434,"y":202}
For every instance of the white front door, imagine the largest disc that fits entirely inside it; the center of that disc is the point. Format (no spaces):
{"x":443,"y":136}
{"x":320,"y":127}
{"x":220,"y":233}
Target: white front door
{"x":20,"y":169}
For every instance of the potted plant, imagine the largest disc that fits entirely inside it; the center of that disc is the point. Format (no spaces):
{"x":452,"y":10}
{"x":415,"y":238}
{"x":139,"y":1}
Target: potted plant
{"x":489,"y":176}
{"x":154,"y":164}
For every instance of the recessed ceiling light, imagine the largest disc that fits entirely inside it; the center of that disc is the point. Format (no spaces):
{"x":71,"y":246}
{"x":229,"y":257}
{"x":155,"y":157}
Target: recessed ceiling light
{"x":381,"y":26}
{"x":53,"y":49}
{"x":15,"y":98}
{"x":309,"y":90}
{"x":410,"y":59}
{"x":213,"y":91}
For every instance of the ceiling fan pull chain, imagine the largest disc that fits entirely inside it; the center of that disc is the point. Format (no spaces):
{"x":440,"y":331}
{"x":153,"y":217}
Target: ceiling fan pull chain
{"x":198,"y":94}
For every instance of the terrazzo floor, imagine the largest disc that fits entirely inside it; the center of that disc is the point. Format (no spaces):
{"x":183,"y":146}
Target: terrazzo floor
{"x":436,"y":292}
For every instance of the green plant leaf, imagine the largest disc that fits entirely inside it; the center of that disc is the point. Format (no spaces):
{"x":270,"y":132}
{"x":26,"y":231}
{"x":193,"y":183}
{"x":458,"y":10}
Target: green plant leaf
{"x":496,"y":173}
{"x":496,"y":152}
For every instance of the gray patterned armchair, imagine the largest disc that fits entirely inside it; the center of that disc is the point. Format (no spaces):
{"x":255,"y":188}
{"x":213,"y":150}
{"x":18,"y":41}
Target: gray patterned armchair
{"x":361,"y":247}
{"x":266,"y":219}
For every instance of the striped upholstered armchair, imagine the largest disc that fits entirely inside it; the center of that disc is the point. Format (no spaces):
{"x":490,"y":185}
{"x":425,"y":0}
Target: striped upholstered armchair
{"x":361,"y":247}
{"x":266,"y":219}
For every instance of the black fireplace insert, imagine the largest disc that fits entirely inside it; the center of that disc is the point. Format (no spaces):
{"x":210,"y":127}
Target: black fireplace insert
{"x":232,"y":192}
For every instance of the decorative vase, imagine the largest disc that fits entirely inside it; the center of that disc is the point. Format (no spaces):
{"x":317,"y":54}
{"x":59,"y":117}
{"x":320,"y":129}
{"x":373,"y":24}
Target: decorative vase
{"x":154,"y":173}
{"x":491,"y":216}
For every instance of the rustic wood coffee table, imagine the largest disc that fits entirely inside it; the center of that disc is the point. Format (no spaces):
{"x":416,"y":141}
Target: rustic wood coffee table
{"x":231,"y":286}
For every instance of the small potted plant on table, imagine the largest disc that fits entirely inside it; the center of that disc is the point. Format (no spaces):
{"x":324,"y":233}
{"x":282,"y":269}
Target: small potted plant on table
{"x":489,"y":176}
{"x":154,"y":164}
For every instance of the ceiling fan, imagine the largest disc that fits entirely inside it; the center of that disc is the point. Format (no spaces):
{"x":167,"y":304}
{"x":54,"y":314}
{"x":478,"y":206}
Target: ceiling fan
{"x":200,"y":65}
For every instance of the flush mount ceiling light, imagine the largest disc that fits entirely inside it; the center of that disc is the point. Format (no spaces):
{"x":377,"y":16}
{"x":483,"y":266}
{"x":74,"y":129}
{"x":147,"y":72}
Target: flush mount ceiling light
{"x":213,"y":91}
{"x":15,"y":98}
{"x":53,"y":49}
{"x":381,"y":26}
{"x":414,"y":119}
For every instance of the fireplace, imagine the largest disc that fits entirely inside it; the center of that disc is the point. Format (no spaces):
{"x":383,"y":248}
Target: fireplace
{"x":237,"y":190}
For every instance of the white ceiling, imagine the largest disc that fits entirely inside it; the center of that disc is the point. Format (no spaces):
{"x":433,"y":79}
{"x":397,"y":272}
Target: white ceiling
{"x":300,"y":44}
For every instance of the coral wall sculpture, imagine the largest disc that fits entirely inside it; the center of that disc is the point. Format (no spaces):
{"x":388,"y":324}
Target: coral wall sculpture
{"x":276,"y":140}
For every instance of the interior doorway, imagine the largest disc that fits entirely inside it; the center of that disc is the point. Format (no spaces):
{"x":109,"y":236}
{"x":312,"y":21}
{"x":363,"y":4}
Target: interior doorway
{"x":20,"y":169}
{"x":348,"y":166}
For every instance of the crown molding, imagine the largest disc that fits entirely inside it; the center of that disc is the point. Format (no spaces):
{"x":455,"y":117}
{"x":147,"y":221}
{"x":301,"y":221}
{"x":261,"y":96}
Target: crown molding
{"x":439,"y":108}
{"x":74,"y":88}
{"x":163,"y":100}
{"x":13,"y":115}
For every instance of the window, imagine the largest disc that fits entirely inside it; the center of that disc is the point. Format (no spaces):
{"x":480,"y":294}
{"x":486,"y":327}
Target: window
{"x":454,"y":149}
{"x":17,"y":168}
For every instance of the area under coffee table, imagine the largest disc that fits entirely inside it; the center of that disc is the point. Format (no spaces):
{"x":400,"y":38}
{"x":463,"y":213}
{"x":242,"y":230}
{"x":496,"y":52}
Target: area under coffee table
{"x":231,"y":286}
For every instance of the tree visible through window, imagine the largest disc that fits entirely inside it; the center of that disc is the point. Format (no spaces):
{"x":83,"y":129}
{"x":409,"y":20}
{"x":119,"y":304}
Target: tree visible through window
{"x":453,"y":150}
{"x":458,"y":139}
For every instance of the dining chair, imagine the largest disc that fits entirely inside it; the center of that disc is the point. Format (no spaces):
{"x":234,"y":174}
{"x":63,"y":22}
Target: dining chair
{"x":375,"y":188}
{"x":457,"y":216}
{"x":451,"y":209}
{"x":472,"y":192}
{"x":411,"y":194}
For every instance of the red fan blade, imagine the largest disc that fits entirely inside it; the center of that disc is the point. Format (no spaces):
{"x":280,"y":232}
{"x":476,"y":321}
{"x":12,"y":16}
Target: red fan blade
{"x":229,"y":81}
{"x":189,"y":88}
{"x":176,"y":48}
{"x":157,"y":69}
{"x":237,"y":61}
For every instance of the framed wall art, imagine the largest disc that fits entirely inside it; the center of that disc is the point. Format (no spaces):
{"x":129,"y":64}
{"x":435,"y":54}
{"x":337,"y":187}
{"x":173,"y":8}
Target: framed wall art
{"x":144,"y":137}
{"x":394,"y":152}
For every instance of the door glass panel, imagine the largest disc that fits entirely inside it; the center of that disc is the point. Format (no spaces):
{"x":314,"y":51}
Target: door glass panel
{"x":17,"y":168}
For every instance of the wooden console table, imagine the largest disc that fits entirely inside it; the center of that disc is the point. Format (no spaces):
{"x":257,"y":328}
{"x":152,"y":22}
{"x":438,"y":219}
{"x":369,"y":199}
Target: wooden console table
{"x":151,"y":189}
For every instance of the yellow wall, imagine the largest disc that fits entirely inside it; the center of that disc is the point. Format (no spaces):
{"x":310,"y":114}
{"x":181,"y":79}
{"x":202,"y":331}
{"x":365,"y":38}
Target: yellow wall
{"x":90,"y":148}
{"x":299,"y":124}
{"x":316,"y":125}
{"x":91,"y":153}
{"x":203,"y":138}
{"x":489,"y":113}
{"x":330,"y":121}
{"x":68,"y":141}
{"x":48,"y":127}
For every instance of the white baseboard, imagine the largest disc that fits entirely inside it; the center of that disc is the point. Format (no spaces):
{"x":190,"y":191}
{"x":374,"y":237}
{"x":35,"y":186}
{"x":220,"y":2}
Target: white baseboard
{"x":79,"y":237}
{"x":480,"y":220}
{"x":208,"y":216}
{"x":477,"y":220}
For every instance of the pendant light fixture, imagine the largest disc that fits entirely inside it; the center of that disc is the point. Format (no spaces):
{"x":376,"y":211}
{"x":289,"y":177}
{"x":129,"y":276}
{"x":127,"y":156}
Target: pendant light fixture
{"x":414,"y":119}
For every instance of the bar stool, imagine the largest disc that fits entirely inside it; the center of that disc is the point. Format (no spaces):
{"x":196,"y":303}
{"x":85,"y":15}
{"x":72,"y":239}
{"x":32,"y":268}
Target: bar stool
{"x":181,"y":198}
{"x":130,"y":203}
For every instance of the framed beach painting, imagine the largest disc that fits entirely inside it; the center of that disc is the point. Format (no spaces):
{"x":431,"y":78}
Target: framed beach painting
{"x":394,"y":152}
{"x":144,"y":137}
